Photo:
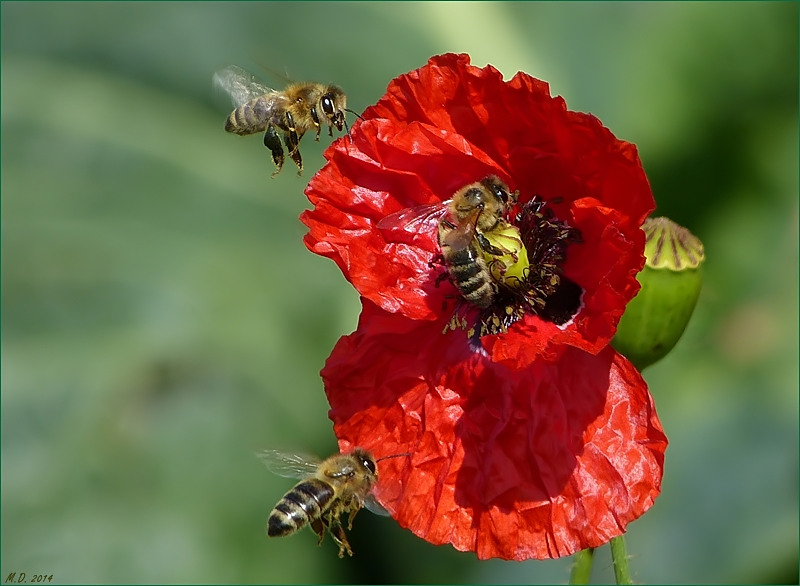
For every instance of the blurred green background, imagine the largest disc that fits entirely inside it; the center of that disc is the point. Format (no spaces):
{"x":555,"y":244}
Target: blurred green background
{"x":161,"y":318}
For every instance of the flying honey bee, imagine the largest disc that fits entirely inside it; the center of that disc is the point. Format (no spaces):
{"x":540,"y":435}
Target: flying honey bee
{"x":299,"y":108}
{"x":469,"y":227}
{"x":330,"y":488}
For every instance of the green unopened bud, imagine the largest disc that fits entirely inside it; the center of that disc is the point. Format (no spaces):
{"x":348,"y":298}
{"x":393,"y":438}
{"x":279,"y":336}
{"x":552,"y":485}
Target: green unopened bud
{"x":671,"y":279}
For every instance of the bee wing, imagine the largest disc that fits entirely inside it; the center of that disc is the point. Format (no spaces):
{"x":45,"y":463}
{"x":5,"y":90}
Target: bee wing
{"x":240,"y":85}
{"x":373,"y":506}
{"x":417,"y":219}
{"x":288,"y":464}
{"x":460,"y":236}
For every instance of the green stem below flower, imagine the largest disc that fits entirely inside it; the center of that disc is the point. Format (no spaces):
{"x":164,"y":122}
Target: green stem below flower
{"x":582,"y":570}
{"x":619,"y":554}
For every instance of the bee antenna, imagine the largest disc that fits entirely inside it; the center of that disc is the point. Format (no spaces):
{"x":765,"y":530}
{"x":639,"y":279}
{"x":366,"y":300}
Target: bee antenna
{"x":347,"y":128}
{"x":393,"y":456}
{"x":353,"y":112}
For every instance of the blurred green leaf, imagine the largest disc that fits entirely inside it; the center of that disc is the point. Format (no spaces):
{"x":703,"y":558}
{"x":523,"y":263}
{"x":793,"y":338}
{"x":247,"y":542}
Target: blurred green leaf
{"x":162,"y":318}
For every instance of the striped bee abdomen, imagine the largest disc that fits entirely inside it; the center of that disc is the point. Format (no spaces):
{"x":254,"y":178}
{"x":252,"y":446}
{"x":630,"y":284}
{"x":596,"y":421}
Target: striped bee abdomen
{"x":471,"y":276}
{"x":303,"y":504}
{"x":249,"y":118}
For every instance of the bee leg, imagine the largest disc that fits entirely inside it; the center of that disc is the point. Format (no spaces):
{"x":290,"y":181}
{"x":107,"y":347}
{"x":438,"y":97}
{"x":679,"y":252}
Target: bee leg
{"x":330,"y":522}
{"x":315,"y":119}
{"x":292,"y":141}
{"x":340,"y":537}
{"x":318,"y":526}
{"x":441,"y":277}
{"x":488,"y":246}
{"x":495,"y":265}
{"x":290,"y":127}
{"x":355,"y":509}
{"x":273,"y":142}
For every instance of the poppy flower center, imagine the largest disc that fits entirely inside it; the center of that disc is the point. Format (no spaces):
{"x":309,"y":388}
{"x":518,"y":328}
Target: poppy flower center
{"x":523,"y":254}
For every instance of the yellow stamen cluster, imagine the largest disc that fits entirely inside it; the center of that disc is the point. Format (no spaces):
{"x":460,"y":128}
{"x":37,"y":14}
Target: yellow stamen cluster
{"x":510,"y":268}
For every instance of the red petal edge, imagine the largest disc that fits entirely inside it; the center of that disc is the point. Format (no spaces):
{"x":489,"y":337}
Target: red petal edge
{"x":448,"y":124}
{"x":545,"y":441}
{"x":541,"y":464}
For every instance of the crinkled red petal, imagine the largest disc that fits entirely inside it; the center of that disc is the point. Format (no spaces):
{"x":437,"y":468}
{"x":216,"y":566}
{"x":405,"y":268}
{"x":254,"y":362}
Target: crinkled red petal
{"x":387,"y":167}
{"x":448,"y":124}
{"x":546,"y":149}
{"x":605,"y":266}
{"x":555,"y":458}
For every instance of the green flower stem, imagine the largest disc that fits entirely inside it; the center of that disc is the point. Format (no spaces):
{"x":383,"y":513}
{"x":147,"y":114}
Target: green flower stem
{"x":620,"y":556}
{"x":582,"y":570}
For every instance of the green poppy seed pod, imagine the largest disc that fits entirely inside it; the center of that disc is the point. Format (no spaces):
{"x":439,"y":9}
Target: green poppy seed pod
{"x":671,"y":279}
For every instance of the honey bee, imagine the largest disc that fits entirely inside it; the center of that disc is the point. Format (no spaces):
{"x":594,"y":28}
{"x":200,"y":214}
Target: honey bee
{"x":340,"y":484}
{"x":469,"y":226}
{"x":294,"y":111}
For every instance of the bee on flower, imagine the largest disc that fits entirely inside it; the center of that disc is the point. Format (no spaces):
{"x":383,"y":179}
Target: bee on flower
{"x":484,"y":252}
{"x":467,"y":202}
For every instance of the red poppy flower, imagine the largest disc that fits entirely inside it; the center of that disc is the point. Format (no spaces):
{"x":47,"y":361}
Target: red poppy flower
{"x":530,"y":437}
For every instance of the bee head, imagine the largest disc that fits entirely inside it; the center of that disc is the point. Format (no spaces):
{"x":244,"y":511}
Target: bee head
{"x":498,"y":188}
{"x":366,"y":460}
{"x":333,"y":104}
{"x":369,"y":462}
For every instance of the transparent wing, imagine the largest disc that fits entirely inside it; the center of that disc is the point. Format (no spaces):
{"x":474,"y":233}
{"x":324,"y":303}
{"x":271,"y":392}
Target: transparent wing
{"x":239,"y":84}
{"x":372,"y":505}
{"x":415,"y":220}
{"x":288,"y":464}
